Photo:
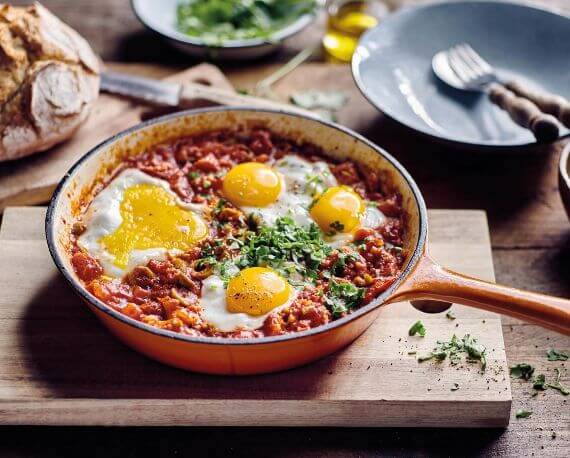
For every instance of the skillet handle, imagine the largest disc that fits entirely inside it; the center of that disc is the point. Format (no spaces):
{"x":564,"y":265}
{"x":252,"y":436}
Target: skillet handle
{"x":432,"y":281}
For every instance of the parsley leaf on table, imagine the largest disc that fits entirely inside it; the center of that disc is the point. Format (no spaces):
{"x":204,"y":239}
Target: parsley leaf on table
{"x":522,"y":370}
{"x":556,"y":355}
{"x":417,"y":328}
{"x":455,"y":347}
{"x":557,"y":385}
{"x":539,"y":382}
{"x":523,"y":413}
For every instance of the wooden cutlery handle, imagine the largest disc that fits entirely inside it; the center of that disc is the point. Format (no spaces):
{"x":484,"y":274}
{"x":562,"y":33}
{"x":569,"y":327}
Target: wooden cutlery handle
{"x":544,"y":126}
{"x":555,"y":105}
{"x":192,"y":92}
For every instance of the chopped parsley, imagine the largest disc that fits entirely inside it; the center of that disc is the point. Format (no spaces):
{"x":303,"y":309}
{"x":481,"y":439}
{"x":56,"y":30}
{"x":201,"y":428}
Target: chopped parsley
{"x":539,"y":382}
{"x":342,"y":296}
{"x":417,"y":328}
{"x":523,"y":413}
{"x":208,"y":258}
{"x":522,"y":370}
{"x":337,"y":269}
{"x":219,"y":206}
{"x":450,"y":316}
{"x":285,"y":245}
{"x":556,"y":355}
{"x":525,"y":371}
{"x":557,"y":385}
{"x":313,"y":183}
{"x":455,"y":348}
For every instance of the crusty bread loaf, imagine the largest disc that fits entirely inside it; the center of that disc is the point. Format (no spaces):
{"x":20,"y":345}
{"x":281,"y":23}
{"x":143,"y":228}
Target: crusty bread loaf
{"x":49,"y":79}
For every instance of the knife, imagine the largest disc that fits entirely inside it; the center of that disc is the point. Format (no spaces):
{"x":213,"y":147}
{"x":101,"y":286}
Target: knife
{"x":185,"y":95}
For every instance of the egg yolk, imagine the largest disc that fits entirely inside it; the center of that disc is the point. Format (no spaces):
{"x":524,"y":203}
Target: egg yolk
{"x":256,"y":291}
{"x":338,"y":209}
{"x":151,"y":218}
{"x":252,"y":184}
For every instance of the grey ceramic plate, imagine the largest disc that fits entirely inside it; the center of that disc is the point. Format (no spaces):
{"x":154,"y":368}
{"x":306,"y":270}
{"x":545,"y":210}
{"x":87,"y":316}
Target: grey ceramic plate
{"x":392,"y":66}
{"x":160,"y":16}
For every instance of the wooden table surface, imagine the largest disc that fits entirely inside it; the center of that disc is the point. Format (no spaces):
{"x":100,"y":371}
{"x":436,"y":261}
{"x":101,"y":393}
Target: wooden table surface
{"x":530,"y":236}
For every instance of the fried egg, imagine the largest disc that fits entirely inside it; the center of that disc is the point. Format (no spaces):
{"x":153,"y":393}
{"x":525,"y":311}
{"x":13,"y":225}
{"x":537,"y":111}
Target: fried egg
{"x":340,"y":211}
{"x":249,"y":298}
{"x":308,"y":192}
{"x":136,"y":218}
{"x":284,"y":189}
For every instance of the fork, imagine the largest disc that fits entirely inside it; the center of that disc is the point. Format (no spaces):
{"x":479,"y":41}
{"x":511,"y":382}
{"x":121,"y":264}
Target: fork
{"x":532,"y":109}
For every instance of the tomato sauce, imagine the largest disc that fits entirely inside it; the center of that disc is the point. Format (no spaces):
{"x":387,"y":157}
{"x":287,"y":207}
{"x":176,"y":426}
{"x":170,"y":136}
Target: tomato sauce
{"x":166,"y":293}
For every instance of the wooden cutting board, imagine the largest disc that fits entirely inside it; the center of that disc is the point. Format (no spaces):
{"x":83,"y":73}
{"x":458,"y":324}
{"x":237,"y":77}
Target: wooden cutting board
{"x":32,"y":180}
{"x":59,"y":366}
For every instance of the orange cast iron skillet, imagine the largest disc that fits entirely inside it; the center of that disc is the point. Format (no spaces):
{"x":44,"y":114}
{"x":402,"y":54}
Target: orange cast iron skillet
{"x":422,"y":278}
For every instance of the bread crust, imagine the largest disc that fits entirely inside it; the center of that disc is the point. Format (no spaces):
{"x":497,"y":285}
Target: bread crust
{"x":49,"y":80}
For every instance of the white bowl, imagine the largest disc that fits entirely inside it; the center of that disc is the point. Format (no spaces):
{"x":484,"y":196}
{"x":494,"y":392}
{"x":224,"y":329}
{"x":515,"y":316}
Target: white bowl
{"x":160,"y":17}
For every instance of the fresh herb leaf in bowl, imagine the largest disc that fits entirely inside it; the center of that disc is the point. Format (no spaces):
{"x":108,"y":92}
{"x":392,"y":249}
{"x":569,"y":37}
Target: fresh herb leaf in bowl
{"x":217,"y":21}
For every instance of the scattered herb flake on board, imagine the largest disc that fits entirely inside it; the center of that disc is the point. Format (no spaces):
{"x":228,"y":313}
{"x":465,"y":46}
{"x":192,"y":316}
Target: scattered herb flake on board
{"x":557,"y":355}
{"x":417,"y":328}
{"x":455,"y":347}
{"x":450,"y":316}
{"x":522,"y":370}
{"x":539,"y":382}
{"x":557,"y":385}
{"x":523,"y":413}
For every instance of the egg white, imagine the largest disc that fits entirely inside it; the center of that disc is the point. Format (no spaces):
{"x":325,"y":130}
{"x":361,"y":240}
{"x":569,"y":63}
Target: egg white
{"x":372,"y":218}
{"x":215,"y":311}
{"x":103,"y":217}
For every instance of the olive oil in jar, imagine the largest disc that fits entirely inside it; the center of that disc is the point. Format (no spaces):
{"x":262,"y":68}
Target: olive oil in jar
{"x":347,"y":20}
